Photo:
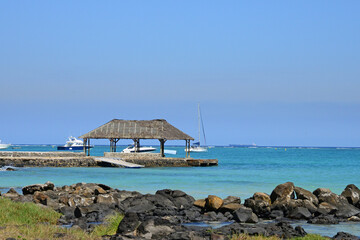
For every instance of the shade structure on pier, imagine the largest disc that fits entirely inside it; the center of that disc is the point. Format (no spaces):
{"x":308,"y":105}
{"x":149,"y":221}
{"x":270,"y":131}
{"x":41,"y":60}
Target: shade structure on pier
{"x":118,"y":129}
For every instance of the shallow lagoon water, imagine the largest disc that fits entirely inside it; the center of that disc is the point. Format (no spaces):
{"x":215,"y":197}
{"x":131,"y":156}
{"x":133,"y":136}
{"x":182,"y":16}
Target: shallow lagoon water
{"x":241,"y":172}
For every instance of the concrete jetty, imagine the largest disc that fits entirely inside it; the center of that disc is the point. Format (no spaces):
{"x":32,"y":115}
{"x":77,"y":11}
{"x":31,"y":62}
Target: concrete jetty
{"x":75,"y":159}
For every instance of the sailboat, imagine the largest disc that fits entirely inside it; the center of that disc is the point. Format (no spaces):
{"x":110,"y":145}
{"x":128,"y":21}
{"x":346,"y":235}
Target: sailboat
{"x":196,"y":147}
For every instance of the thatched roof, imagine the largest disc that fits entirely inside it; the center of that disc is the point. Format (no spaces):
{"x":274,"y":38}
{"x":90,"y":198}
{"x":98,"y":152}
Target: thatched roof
{"x":136,"y":129}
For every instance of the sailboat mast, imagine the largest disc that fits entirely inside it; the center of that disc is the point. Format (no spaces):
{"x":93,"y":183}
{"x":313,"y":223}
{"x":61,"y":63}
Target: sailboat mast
{"x":199,"y":120}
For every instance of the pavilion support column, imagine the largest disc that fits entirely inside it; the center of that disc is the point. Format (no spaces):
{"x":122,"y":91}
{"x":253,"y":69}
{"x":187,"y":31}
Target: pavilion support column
{"x":162,"y":147}
{"x":88,"y":146}
{"x":188,"y":148}
{"x":136,"y":145}
{"x":111,"y":145}
{"x":115,"y":142}
{"x":84,"y":144}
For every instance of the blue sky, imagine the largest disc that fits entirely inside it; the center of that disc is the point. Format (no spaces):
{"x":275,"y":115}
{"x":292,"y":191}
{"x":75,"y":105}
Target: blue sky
{"x":269,"y":72}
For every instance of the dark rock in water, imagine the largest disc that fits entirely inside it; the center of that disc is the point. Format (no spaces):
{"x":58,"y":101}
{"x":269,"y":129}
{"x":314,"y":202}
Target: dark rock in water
{"x":306,"y":195}
{"x":352,"y":194}
{"x":238,"y":228}
{"x":31,"y":189}
{"x":276,"y":214}
{"x":284,"y":230}
{"x":324,"y":219}
{"x":346,"y":210}
{"x":129,"y":223}
{"x":190,"y":215}
{"x":245,"y":215}
{"x":155,"y":229}
{"x":283,"y":191}
{"x":345,"y":236}
{"x":300,"y":213}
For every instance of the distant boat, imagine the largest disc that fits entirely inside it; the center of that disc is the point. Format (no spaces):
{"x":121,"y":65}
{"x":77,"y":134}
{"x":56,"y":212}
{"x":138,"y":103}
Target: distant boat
{"x":131,"y":149}
{"x":73,"y":144}
{"x":4,"y":145}
{"x":196,"y":147}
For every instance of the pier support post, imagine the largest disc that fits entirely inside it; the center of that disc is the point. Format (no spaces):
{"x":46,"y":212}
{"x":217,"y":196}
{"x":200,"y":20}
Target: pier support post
{"x":88,"y":147}
{"x":162,"y":147}
{"x":84,"y":144}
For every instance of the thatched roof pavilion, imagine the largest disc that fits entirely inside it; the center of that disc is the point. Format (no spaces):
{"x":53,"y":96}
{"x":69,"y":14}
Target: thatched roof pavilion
{"x":118,"y":129}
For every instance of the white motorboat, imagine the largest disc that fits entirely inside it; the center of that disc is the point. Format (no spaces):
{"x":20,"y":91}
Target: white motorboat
{"x":4,"y":145}
{"x":73,"y":144}
{"x":196,"y":147}
{"x":131,"y":149}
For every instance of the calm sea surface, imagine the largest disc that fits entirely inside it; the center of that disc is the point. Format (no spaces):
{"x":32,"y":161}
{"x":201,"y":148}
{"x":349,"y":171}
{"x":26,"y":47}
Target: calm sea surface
{"x":241,"y":172}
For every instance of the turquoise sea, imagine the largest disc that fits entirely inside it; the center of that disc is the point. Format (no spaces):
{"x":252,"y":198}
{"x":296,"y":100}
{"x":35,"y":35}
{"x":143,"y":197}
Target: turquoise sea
{"x":241,"y":172}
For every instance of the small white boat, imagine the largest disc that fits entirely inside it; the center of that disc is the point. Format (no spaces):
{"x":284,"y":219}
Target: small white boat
{"x":4,"y":145}
{"x":73,"y":144}
{"x":131,"y":149}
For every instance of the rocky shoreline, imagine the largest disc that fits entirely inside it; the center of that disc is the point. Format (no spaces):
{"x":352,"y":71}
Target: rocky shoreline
{"x":169,"y":214}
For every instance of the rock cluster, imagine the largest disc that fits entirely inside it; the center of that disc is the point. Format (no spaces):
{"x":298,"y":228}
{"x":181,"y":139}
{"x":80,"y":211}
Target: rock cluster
{"x":166,"y":214}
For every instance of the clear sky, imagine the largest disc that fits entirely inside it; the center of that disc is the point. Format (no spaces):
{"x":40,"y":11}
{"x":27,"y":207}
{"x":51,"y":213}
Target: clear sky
{"x":268,"y":72}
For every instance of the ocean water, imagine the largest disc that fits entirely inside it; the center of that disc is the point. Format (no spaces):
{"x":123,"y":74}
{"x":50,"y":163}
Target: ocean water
{"x":241,"y":172}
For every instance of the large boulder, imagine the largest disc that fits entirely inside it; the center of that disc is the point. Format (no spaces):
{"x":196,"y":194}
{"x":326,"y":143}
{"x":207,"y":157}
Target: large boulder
{"x":284,"y":230}
{"x":344,"y":208}
{"x":129,"y":224}
{"x":155,"y":229}
{"x":324,"y":219}
{"x":326,"y":208}
{"x":352,"y":194}
{"x":283,"y":191}
{"x":180,"y":199}
{"x":230,"y":207}
{"x":260,"y":207}
{"x":200,"y":203}
{"x":345,"y":236}
{"x":245,"y":215}
{"x":299,"y":213}
{"x":259,"y":196}
{"x":325,"y":195}
{"x":105,"y":199}
{"x":213,"y":202}
{"x":231,"y":199}
{"x":40,"y":197}
{"x":306,"y":195}
{"x":31,"y":189}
